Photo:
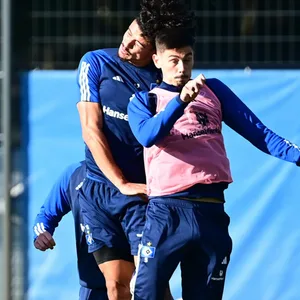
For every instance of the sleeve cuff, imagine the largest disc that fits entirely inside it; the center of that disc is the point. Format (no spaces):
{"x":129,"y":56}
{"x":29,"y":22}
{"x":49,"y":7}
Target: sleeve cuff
{"x":180,"y":101}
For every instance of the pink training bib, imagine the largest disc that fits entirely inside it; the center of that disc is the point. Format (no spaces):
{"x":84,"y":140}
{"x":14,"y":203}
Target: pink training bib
{"x":193,"y":152}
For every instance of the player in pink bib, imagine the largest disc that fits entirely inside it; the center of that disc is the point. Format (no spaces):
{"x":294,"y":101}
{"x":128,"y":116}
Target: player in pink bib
{"x":179,"y":123}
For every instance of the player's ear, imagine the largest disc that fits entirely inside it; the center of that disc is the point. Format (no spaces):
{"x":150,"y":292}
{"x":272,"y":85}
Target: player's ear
{"x":156,"y":61}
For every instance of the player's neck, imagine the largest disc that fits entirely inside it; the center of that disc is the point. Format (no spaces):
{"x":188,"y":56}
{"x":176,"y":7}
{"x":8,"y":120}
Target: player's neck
{"x":140,"y":63}
{"x":170,"y":87}
{"x":172,"y":83}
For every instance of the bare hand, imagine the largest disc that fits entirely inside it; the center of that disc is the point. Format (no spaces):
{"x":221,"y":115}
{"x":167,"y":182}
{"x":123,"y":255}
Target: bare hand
{"x":192,"y":88}
{"x":130,"y":188}
{"x":44,"y":241}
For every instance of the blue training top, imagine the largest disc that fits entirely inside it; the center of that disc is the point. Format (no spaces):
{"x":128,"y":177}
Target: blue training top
{"x":105,"y":79}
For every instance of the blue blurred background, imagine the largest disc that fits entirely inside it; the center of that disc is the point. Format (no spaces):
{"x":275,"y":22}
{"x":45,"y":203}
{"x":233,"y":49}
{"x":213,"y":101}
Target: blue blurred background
{"x":263,"y":202}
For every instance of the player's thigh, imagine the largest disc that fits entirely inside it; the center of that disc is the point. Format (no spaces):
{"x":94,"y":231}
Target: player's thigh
{"x":194,"y":273}
{"x":117,"y":271}
{"x":212,"y":224}
{"x":210,"y":252}
{"x":133,"y":221}
{"x":102,"y":227}
{"x":116,"y":265}
{"x":151,"y":278}
{"x":215,"y":238}
{"x":158,"y":255}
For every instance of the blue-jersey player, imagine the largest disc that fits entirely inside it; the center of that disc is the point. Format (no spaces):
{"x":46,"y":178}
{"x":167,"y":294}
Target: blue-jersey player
{"x":62,"y":199}
{"x":111,"y":202}
{"x":111,"y":199}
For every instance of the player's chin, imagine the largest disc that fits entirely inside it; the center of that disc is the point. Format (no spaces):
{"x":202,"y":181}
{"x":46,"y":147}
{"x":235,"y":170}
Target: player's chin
{"x":120,"y":54}
{"x":181,"y":81}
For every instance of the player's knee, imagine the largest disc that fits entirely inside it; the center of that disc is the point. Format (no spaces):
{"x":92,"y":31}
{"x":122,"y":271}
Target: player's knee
{"x":118,"y":290}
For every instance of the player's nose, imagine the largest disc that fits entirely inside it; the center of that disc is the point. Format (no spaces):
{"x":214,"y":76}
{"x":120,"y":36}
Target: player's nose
{"x":128,"y":43}
{"x":180,"y":67}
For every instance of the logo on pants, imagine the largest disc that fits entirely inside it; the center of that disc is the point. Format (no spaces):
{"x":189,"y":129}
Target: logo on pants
{"x":88,"y":235}
{"x":148,"y":252}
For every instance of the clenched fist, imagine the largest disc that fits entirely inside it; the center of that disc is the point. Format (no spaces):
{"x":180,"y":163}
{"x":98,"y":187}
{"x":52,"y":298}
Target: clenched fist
{"x":192,"y":89}
{"x":44,"y":241}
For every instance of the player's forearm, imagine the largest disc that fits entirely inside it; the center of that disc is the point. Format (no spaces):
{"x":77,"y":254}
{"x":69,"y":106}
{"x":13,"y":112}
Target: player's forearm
{"x":279,"y":147}
{"x":97,"y":144}
{"x":264,"y":139}
{"x":52,"y":211}
{"x":41,"y":225}
{"x":150,"y":129}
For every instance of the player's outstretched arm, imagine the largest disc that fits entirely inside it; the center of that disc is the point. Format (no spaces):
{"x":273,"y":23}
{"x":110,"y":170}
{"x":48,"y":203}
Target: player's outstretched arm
{"x":56,"y":205}
{"x":242,"y":120}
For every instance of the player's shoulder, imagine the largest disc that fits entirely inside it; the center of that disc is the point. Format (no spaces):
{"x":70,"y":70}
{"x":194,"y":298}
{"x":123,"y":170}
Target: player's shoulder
{"x":100,"y":55}
{"x":214,"y":83}
{"x":69,"y":172}
{"x":73,"y":175}
{"x":77,"y":177}
{"x":79,"y":170}
{"x":213,"y":80}
{"x":109,"y":52}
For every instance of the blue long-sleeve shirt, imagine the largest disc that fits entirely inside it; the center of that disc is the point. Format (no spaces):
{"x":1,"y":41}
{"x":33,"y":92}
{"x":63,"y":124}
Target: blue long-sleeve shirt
{"x":149,"y":127}
{"x":63,"y":198}
{"x":104,"y":78}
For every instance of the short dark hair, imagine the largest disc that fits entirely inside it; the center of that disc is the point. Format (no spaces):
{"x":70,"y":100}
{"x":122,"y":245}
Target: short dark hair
{"x":157,"y":15}
{"x":174,"y":38}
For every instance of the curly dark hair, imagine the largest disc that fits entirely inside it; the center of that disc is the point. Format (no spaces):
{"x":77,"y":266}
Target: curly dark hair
{"x":156,"y":15}
{"x":171,"y":38}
